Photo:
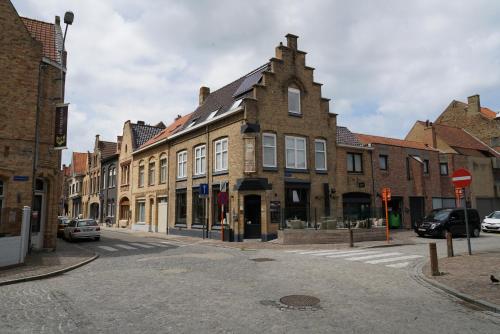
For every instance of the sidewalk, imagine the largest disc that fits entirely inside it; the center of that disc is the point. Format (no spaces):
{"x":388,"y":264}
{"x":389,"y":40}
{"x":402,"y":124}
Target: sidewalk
{"x":470,"y":276}
{"x":399,"y":237}
{"x":44,"y":264}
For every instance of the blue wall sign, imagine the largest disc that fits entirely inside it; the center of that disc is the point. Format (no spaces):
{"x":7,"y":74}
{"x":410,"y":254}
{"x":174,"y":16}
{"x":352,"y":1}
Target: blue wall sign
{"x":204,"y":189}
{"x":21,"y":178}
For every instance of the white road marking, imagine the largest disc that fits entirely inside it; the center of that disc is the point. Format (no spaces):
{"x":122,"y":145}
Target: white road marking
{"x":125,"y":247}
{"x":318,"y":252}
{"x":141,"y":245}
{"x":159,"y":245}
{"x":349,"y":254}
{"x":107,"y":248}
{"x":394,"y":259}
{"x":372,"y":256}
{"x":398,"y":265}
{"x":294,"y":251}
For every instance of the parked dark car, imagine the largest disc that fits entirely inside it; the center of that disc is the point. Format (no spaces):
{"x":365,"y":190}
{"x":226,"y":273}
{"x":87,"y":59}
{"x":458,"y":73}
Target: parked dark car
{"x":438,"y":221}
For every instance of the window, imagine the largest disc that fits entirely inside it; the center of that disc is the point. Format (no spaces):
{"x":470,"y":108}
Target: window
{"x":110,"y":178}
{"x":151,"y":173}
{"x":113,"y":208}
{"x":269,"y":150}
{"x":104,"y":178}
{"x":383,"y":162}
{"x":1,"y":199}
{"x":235,"y":105}
{"x":219,"y":215}
{"x":113,"y":179}
{"x":354,"y":163}
{"x":443,"y":168}
{"x":320,"y":154}
{"x":221,"y":155}
{"x":198,"y":208}
{"x":181,"y":164}
{"x":200,"y":163}
{"x":295,"y":152}
{"x":212,"y":114}
{"x":125,"y":175}
{"x":293,"y":101}
{"x":163,"y":168}
{"x":180,"y":206}
{"x":141,"y":212}
{"x":426,"y":166}
{"x":141,"y":174}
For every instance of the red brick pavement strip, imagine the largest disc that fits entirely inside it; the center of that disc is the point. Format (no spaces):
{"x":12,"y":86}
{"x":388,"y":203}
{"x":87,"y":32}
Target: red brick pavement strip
{"x":468,"y":277}
{"x":40,"y":265}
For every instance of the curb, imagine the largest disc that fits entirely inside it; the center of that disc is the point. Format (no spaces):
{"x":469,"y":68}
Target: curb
{"x":455,"y":293}
{"x":50,"y":274}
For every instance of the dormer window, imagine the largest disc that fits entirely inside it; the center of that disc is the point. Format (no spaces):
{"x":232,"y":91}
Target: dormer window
{"x":235,"y":105}
{"x":294,"y":101}
{"x":193,"y":122}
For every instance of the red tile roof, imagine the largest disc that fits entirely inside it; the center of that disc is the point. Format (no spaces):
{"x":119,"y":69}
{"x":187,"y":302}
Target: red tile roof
{"x":369,"y":139}
{"x":488,"y":113}
{"x":169,"y":130}
{"x":456,"y":137}
{"x":45,"y":33}
{"x":79,"y":163}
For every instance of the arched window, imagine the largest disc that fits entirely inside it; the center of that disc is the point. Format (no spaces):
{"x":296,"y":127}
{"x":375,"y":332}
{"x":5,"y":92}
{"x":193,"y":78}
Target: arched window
{"x":294,"y":101}
{"x":151,"y":172}
{"x":141,"y":174}
{"x":163,"y":168}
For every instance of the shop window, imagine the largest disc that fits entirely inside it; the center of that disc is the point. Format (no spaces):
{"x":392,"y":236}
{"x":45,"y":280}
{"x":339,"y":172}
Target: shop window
{"x":296,"y":203}
{"x":219,"y":214}
{"x":198,"y":207}
{"x":180,"y":206}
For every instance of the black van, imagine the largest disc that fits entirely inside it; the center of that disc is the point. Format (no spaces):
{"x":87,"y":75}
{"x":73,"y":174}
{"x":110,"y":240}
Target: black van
{"x":438,"y":221}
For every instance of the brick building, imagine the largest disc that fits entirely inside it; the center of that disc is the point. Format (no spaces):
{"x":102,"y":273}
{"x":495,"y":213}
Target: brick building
{"x":480,"y":121}
{"x":31,"y":86}
{"x":74,"y":184}
{"x":109,"y":182}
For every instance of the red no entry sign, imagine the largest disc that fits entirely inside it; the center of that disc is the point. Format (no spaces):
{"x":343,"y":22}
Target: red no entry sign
{"x":461,"y":178}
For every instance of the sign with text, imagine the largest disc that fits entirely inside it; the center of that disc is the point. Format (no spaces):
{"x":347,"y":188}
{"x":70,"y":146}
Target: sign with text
{"x":61,"y":127}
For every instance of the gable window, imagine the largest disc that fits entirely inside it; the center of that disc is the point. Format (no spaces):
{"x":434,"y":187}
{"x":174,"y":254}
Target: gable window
{"x":151,"y":173}
{"x":200,"y":163}
{"x":294,"y":101}
{"x":443,"y":168}
{"x":163,"y":168}
{"x":181,"y":164}
{"x":320,"y":154}
{"x":269,"y":150}
{"x":383,"y":162}
{"x":141,"y":174}
{"x":426,"y":166}
{"x":221,"y":157}
{"x":295,"y":152}
{"x":354,"y":163}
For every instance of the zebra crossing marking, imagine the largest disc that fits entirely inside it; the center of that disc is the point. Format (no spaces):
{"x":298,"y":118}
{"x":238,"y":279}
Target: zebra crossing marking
{"x":319,"y":252}
{"x":398,"y":265}
{"x":159,"y":244}
{"x":368,"y":257}
{"x":350,"y":254}
{"x":141,"y":245}
{"x":125,"y":246}
{"x":394,"y":259}
{"x":109,"y":249}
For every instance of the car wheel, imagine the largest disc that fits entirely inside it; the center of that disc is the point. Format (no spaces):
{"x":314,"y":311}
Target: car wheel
{"x":97,"y":238}
{"x":421,"y":235}
{"x":475,"y":232}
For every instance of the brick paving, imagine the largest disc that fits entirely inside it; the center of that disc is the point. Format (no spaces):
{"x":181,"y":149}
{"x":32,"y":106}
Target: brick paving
{"x":41,"y":263}
{"x":471,"y":275}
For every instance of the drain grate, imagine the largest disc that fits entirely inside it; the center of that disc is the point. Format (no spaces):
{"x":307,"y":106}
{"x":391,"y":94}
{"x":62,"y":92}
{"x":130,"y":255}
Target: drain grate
{"x":262,"y":259}
{"x":299,"y":301}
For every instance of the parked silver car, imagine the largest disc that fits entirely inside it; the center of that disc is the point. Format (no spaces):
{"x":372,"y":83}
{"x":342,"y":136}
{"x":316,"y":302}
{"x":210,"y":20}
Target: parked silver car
{"x":82,"y":229}
{"x":491,"y":222}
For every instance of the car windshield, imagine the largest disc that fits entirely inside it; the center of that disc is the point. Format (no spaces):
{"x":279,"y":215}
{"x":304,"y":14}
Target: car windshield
{"x":495,"y":215}
{"x":438,"y":214}
{"x":82,"y":223}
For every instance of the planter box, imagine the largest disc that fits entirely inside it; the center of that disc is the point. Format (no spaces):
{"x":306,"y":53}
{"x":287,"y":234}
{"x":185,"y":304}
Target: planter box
{"x":337,"y":236}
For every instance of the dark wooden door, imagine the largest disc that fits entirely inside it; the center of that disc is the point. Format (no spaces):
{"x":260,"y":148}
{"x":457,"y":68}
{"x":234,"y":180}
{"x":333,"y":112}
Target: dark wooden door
{"x":252,"y":217}
{"x":417,"y":210}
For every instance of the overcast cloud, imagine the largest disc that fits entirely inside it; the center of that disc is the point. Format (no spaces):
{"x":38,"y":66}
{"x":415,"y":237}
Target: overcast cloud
{"x":384,"y":64}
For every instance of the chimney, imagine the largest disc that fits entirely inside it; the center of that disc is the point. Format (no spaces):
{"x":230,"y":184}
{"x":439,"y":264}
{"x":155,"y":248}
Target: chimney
{"x":178,"y":117}
{"x":474,"y":104}
{"x":204,"y":92}
{"x":291,"y":41}
{"x":140,"y":123}
{"x":58,"y":20}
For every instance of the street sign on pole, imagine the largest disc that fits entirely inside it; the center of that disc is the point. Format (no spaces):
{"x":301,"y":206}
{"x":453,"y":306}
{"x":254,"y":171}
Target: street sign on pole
{"x":461,"y":179}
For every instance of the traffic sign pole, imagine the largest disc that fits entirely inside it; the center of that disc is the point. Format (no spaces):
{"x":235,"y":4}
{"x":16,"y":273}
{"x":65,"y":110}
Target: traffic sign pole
{"x":462,"y":178}
{"x":467,"y":224}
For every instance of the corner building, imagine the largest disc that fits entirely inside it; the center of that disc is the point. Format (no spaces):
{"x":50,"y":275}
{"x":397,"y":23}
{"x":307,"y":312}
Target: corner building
{"x":266,"y":140}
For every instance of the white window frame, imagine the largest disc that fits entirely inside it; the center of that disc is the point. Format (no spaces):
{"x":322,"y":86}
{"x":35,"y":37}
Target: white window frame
{"x":297,"y":92}
{"x":163,"y":169}
{"x":182,"y":164}
{"x":294,"y":148}
{"x":269,"y":147}
{"x":316,"y":154}
{"x":200,"y":160}
{"x":221,"y":155}
{"x":151,"y":172}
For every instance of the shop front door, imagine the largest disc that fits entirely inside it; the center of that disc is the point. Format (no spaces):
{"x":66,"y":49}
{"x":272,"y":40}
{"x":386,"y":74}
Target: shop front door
{"x":252,"y":217}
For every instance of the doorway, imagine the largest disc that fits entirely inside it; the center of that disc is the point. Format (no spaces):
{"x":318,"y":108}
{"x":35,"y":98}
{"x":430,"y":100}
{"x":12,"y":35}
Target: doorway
{"x":417,"y":210}
{"x":162,"y":214}
{"x":252,"y":217}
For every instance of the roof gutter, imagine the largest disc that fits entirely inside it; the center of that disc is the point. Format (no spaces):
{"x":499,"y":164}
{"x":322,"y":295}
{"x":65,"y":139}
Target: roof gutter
{"x":197,"y":126}
{"x":369,"y":148}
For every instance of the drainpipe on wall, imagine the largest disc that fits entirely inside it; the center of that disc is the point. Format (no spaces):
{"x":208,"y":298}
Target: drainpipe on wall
{"x":373,"y":182}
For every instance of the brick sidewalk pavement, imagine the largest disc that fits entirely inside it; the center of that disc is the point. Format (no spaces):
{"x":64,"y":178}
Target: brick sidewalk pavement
{"x":43,"y":263}
{"x":471,"y":275}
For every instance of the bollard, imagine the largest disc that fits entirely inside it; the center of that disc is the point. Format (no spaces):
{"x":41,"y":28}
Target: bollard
{"x":351,"y":238}
{"x":449,"y":243}
{"x":434,"y":259}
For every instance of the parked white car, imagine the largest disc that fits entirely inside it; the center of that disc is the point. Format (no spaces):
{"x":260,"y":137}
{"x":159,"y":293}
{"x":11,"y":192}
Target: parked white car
{"x":82,"y":229}
{"x":491,"y":222}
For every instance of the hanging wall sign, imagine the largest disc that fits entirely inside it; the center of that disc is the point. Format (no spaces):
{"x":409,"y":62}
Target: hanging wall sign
{"x":61,"y":127}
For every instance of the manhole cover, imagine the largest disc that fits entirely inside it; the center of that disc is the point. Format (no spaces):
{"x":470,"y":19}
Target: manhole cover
{"x":262,"y":259}
{"x":299,"y":300}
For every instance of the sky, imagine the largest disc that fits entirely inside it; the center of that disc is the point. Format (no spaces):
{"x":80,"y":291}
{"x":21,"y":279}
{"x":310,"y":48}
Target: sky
{"x":383,"y":64}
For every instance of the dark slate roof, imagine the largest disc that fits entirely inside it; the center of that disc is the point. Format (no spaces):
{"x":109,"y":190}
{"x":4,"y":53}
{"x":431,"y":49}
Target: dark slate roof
{"x":141,"y":133}
{"x":223,"y":98}
{"x":107,"y":148}
{"x":346,"y":137}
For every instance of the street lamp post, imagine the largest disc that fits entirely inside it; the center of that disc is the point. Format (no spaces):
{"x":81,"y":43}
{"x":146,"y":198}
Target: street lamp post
{"x":68,"y":20}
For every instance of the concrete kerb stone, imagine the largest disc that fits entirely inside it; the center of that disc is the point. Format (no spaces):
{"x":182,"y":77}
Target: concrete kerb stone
{"x":417,"y":274}
{"x":50,"y":274}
